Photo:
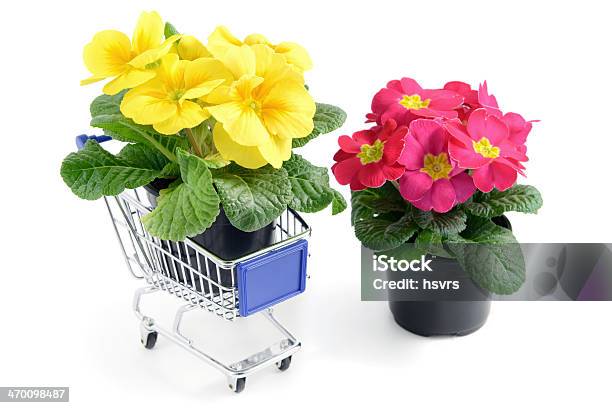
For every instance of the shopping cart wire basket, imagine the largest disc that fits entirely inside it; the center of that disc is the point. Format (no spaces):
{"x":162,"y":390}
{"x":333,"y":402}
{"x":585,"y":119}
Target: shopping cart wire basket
{"x":229,"y":289}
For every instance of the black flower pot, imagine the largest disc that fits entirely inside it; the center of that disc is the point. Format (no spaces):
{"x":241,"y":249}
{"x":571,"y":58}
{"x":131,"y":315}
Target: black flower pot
{"x":221,"y":239}
{"x":457,"y":317}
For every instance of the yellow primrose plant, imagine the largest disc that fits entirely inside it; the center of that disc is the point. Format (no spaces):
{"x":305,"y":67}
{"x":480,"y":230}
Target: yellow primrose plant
{"x":218,"y":122}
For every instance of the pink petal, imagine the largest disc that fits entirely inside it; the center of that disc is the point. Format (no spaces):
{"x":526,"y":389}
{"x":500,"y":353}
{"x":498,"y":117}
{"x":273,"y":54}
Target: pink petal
{"x":442,"y":195}
{"x":509,"y":150}
{"x":464,"y":186}
{"x":348,"y":144}
{"x":356,"y":185}
{"x":400,"y":114}
{"x":412,"y":155}
{"x":481,"y":124}
{"x":484,"y":98}
{"x":470,"y":95}
{"x":430,"y":135}
{"x":483,"y":178}
{"x":435,"y":113}
{"x":385,"y":98}
{"x":410,"y":86}
{"x":393,"y":172}
{"x":444,"y":100}
{"x":346,"y":170}
{"x":466,"y":157}
{"x":371,"y":175}
{"x":424,"y":203}
{"x":394,"y":145}
{"x":395,"y":85}
{"x":518,"y":128}
{"x":365,"y":136}
{"x":414,"y":184}
{"x":458,"y":131}
{"x":341,"y":155}
{"x":505,"y":176}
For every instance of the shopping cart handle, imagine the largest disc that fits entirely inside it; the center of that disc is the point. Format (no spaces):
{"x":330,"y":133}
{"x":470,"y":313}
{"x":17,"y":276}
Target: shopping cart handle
{"x":82,"y":139}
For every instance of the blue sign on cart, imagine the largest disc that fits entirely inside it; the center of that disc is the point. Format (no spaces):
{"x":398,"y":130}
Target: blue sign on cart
{"x":272,"y":278}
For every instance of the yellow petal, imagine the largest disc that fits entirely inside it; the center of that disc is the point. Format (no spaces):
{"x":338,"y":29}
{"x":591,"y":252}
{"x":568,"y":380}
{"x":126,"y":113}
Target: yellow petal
{"x":239,"y":60}
{"x":190,"y":48}
{"x":273,"y":68}
{"x":276,"y":151}
{"x":131,"y":78}
{"x":91,"y":80}
{"x":153,"y":55}
{"x":256,"y":39}
{"x":220,"y":40}
{"x":188,"y":115}
{"x":242,"y":123}
{"x":296,"y":55}
{"x":245,"y":86}
{"x":148,"y":32}
{"x":203,"y":75}
{"x":171,"y":71}
{"x":107,"y":54}
{"x":288,"y":110}
{"x":245,"y":156}
{"x":221,"y":94}
{"x":146,"y":109}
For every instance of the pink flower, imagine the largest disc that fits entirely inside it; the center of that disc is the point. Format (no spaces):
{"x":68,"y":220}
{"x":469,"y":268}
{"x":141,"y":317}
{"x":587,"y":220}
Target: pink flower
{"x":473,"y":99}
{"x":432,"y":180}
{"x":486,"y":146}
{"x":369,"y":157}
{"x":405,"y":100}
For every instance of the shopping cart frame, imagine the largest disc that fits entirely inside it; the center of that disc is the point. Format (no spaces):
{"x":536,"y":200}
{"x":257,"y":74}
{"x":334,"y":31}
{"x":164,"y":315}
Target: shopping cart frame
{"x":147,"y":259}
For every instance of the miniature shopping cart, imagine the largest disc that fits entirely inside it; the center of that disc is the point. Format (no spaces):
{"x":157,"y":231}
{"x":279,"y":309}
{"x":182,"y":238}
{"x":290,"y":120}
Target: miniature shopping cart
{"x":229,"y":289}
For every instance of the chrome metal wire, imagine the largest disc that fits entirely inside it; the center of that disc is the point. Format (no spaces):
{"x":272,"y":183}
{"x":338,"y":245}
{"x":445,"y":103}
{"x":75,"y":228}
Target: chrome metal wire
{"x":186,"y":269}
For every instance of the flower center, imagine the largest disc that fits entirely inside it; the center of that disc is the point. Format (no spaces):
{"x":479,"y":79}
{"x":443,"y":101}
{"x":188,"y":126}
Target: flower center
{"x":486,"y":149}
{"x":371,"y":153}
{"x":414,"y":102}
{"x":253,"y":105}
{"x":176,"y":94}
{"x":437,"y":167}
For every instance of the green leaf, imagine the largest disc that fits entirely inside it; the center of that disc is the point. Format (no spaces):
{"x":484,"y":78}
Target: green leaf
{"x":309,"y":185}
{"x":448,"y":223}
{"x":382,"y":232}
{"x":432,"y":243}
{"x":385,"y":199}
{"x":93,"y":172}
{"x":202,"y":136}
{"x":106,"y":104}
{"x":143,"y":155}
{"x":326,"y":119}
{"x":186,"y":208}
{"x":252,"y":199}
{"x":519,"y":198}
{"x":491,"y":256}
{"x":169,"y":30}
{"x":146,"y":156}
{"x":338,"y":203}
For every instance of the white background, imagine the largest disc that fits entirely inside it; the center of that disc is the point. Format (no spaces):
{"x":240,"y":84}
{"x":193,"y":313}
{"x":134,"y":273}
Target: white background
{"x":65,"y":293}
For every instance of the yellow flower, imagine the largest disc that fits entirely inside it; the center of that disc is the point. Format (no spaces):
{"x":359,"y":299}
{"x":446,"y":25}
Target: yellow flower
{"x":262,"y":110}
{"x":221,"y":39}
{"x":169,"y":101}
{"x":190,"y":48}
{"x":110,"y":54}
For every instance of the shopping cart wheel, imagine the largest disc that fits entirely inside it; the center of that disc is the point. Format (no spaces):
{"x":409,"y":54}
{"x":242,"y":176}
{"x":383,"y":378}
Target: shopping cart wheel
{"x":238,"y":385}
{"x":150,"y":340}
{"x":284,"y":364}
